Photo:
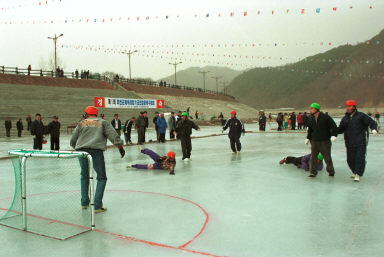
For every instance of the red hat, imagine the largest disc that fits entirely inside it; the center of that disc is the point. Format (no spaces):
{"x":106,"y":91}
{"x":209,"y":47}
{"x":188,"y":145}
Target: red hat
{"x":233,"y":112}
{"x":171,"y":154}
{"x":91,"y":110}
{"x":350,"y":103}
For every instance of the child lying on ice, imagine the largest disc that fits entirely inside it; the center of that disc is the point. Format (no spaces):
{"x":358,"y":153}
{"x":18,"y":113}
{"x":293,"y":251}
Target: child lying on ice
{"x":303,"y":162}
{"x":161,"y":163}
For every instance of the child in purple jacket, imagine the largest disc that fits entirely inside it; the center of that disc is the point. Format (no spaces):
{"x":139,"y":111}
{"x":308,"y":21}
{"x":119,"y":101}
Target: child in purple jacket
{"x":303,"y":162}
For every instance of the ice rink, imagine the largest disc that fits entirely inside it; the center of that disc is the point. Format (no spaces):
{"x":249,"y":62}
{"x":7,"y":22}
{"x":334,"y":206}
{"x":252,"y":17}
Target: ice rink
{"x":221,"y":204}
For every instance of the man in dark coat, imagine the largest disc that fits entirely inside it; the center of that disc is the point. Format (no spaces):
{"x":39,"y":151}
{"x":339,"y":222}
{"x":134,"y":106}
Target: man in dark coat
{"x":8,"y":126}
{"x":116,"y":124}
{"x":156,"y":126}
{"x":322,"y":130}
{"x":236,"y":129}
{"x":140,"y":126}
{"x":54,"y":130}
{"x":293,"y":121}
{"x":128,"y":129}
{"x":20,"y":127}
{"x":355,"y":126}
{"x":145,"y":115}
{"x":262,"y":121}
{"x":184,"y":128}
{"x":37,"y":130}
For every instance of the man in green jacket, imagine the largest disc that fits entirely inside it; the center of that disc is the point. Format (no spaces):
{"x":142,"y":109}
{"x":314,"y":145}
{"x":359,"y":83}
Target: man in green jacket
{"x":184,"y":130}
{"x":322,"y":130}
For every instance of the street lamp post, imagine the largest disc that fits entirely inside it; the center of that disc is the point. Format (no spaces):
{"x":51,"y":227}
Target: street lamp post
{"x":217,"y":83}
{"x":129,"y":53}
{"x":224,"y":87}
{"x":204,"y":72}
{"x":54,"y":42}
{"x":175,"y":65}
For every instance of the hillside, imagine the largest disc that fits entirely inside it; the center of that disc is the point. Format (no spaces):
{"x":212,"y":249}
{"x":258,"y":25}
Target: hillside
{"x":192,"y":78}
{"x":329,"y":78}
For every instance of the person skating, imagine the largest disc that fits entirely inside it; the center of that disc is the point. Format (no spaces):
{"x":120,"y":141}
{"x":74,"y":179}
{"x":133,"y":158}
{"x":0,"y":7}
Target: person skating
{"x":20,"y":127}
{"x":54,"y":130}
{"x":140,"y":127}
{"x":184,"y":128}
{"x":128,"y":130}
{"x":116,"y":123}
{"x":161,"y":127}
{"x":355,"y":126}
{"x":236,"y":129}
{"x":303,"y":162}
{"x":161,"y":162}
{"x":322,"y":130}
{"x":262,"y":121}
{"x":8,"y":127}
{"x":172,"y":125}
{"x":91,"y":136}
{"x":38,"y":130}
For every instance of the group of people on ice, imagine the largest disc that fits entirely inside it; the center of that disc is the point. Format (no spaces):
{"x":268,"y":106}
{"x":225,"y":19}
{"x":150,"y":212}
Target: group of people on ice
{"x":91,"y":136}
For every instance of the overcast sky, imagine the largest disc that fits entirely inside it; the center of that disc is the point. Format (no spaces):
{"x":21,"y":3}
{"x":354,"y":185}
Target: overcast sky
{"x":296,"y":35}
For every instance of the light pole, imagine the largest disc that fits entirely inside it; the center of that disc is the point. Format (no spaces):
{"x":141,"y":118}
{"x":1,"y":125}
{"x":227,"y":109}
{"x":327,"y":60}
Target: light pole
{"x":224,"y":87}
{"x":129,"y":53}
{"x":217,"y":83}
{"x":54,"y":42}
{"x":175,"y":65}
{"x":204,"y":72}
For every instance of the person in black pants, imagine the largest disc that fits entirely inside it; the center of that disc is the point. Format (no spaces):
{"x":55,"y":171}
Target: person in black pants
{"x":145,"y":115}
{"x":116,"y":124}
{"x":127,"y":130}
{"x":236,"y":128}
{"x":262,"y":121}
{"x":355,"y":126}
{"x":184,"y":128}
{"x":37,"y":130}
{"x":140,"y":127}
{"x":8,"y":126}
{"x":156,"y":126}
{"x":20,"y":127}
{"x":54,"y":130}
{"x":172,"y":125}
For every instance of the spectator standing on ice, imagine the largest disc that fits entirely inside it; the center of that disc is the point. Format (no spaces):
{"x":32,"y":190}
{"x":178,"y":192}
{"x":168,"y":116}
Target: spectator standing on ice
{"x":116,"y":124}
{"x":8,"y":126}
{"x":262,"y":121}
{"x":140,"y":127}
{"x":293,"y":121}
{"x":236,"y":129}
{"x":20,"y":127}
{"x":156,"y":126}
{"x":37,"y":130}
{"x":29,"y":70}
{"x":299,"y":121}
{"x":145,"y":115}
{"x":355,"y":126}
{"x":197,"y":115}
{"x":322,"y":130}
{"x":91,"y":136}
{"x":128,"y":129}
{"x":377,"y":117}
{"x":54,"y":129}
{"x":172,"y":125}
{"x":280,"y":120}
{"x":161,"y":127}
{"x":286,"y":120}
{"x":305,"y":120}
{"x":184,"y":128}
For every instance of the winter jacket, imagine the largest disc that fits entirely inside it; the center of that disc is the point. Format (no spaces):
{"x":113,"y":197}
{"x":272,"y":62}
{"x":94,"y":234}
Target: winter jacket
{"x":184,"y":127}
{"x":236,"y":127}
{"x":19,"y":125}
{"x":146,"y":121}
{"x":322,"y":128}
{"x":38,"y":129}
{"x":262,"y":119}
{"x":355,"y":128}
{"x":300,"y":119}
{"x":54,"y":129}
{"x":8,"y":124}
{"x":172,"y":123}
{"x":167,"y":163}
{"x":306,"y":160}
{"x":140,"y":122}
{"x":155,"y":121}
{"x":113,"y":123}
{"x":128,"y":126}
{"x":92,"y":133}
{"x":161,"y":125}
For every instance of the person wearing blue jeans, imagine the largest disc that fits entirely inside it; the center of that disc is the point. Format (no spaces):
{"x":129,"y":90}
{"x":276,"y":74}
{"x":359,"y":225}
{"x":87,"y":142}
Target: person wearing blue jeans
{"x":91,"y":136}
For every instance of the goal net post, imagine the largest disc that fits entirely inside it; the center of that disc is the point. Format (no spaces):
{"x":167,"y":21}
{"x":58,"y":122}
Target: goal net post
{"x":46,"y":198}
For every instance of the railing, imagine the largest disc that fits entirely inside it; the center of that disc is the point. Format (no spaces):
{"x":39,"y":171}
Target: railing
{"x":96,"y":76}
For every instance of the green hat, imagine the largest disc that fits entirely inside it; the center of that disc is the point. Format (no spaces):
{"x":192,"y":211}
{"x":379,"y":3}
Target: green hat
{"x":184,"y":114}
{"x":316,"y":106}
{"x":320,"y":157}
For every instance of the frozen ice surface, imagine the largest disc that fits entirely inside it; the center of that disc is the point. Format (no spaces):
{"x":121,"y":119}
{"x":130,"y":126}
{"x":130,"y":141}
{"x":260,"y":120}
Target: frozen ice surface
{"x":255,"y":206}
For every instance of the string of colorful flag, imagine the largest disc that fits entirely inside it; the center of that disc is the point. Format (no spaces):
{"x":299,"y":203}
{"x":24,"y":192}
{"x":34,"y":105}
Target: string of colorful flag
{"x":240,"y":65}
{"x":28,"y":4}
{"x":344,"y":60}
{"x":300,"y":11}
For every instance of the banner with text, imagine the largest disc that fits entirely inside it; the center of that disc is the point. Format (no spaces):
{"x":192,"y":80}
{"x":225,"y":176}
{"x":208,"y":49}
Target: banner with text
{"x":107,"y":102}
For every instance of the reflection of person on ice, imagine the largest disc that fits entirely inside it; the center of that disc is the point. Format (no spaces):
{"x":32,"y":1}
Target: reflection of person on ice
{"x":161,"y":163}
{"x":303,"y":162}
{"x":355,"y":126}
{"x":236,"y":128}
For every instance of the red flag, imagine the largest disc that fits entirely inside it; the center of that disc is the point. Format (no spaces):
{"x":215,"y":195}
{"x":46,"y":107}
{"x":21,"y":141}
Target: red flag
{"x":245,"y":13}
{"x":334,"y":8}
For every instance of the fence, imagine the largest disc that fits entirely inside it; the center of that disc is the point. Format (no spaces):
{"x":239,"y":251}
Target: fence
{"x":97,"y":76}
